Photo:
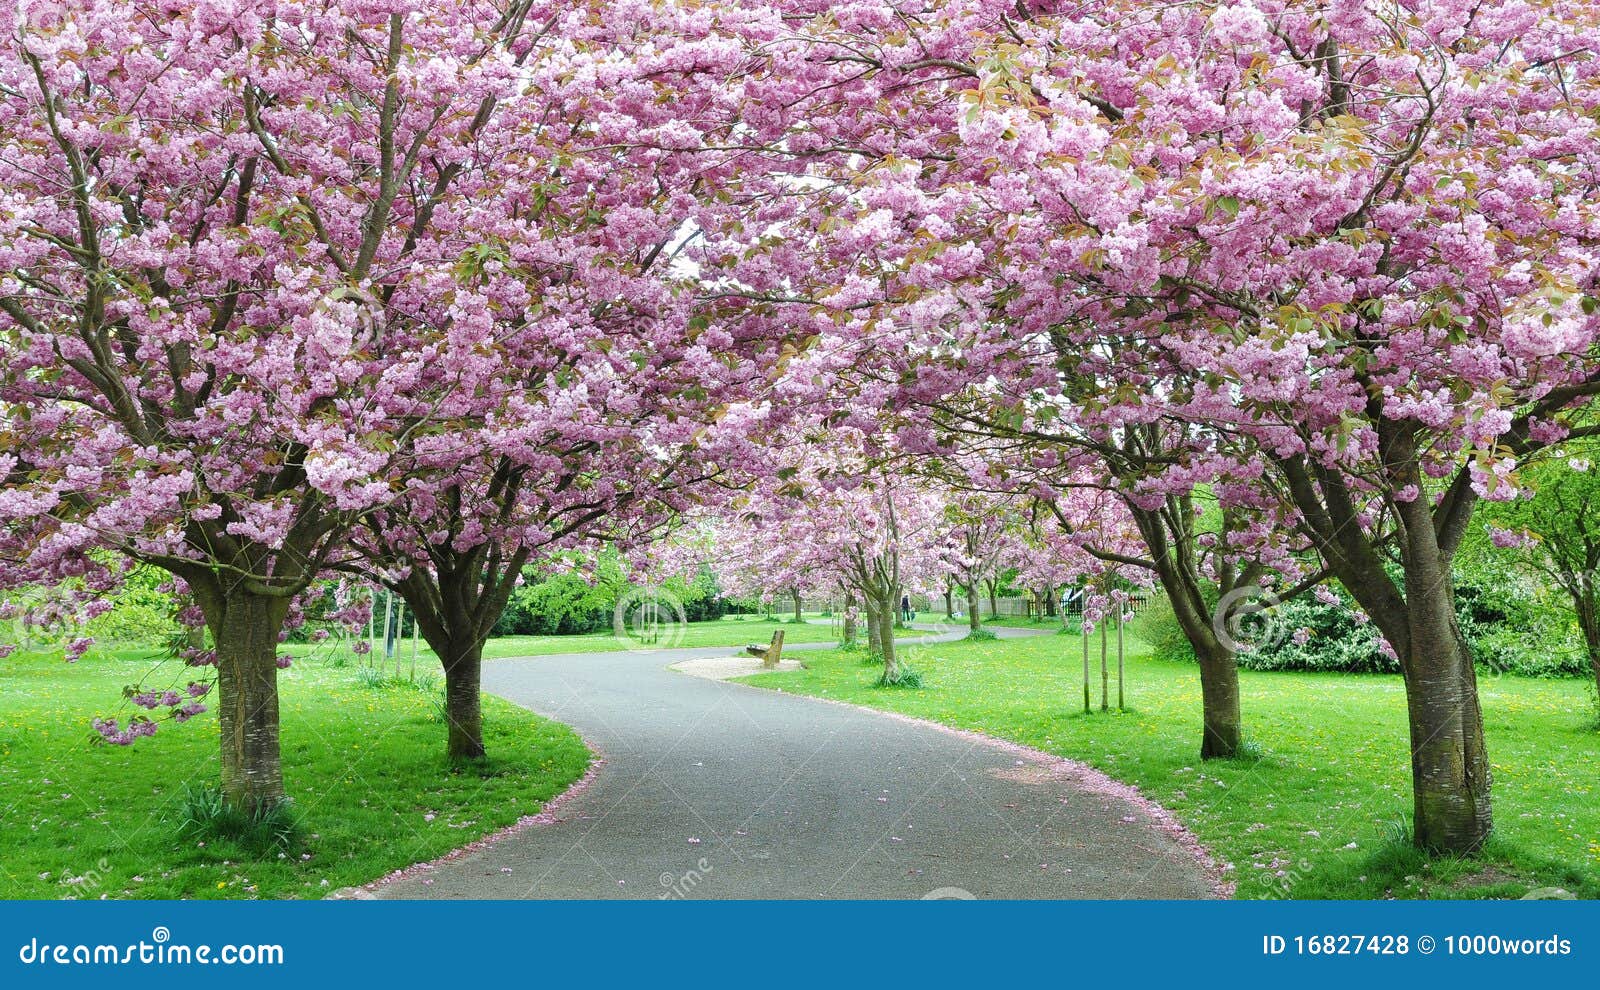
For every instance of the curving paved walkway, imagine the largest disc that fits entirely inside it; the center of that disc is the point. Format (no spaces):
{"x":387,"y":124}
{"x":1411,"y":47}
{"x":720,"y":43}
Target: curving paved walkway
{"x":721,"y":790}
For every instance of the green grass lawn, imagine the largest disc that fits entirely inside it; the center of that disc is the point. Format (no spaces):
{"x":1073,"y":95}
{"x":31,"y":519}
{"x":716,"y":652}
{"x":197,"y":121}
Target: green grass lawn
{"x":365,"y":767}
{"x":727,"y":631}
{"x":1319,"y":807}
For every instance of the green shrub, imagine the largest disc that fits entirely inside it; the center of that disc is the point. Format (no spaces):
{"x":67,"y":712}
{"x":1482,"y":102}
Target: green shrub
{"x":379,"y":679}
{"x":905,"y":677}
{"x":982,"y":635}
{"x":1510,"y":624}
{"x":1157,"y":625}
{"x":203,"y":814}
{"x":570,"y":603}
{"x":1337,"y":640}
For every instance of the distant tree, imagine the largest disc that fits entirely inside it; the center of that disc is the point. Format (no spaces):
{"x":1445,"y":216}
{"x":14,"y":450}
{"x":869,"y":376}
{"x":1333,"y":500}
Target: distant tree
{"x":1556,"y":525}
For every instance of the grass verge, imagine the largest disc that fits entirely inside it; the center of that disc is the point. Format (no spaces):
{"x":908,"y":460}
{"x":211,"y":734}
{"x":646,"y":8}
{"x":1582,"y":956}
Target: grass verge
{"x":365,"y":766}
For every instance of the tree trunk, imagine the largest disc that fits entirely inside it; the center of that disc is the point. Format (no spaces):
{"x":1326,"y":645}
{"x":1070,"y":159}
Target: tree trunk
{"x":994,"y":600}
{"x":949,"y":602}
{"x":1222,"y":731}
{"x":1222,"y":725}
{"x":973,"y":620}
{"x":874,"y":625}
{"x":891,"y":667}
{"x":246,"y":634}
{"x":1589,"y":623}
{"x":1449,"y":759}
{"x":848,"y":622}
{"x":798,"y":617}
{"x":1050,"y":603}
{"x":463,"y":701}
{"x":1120,"y":660}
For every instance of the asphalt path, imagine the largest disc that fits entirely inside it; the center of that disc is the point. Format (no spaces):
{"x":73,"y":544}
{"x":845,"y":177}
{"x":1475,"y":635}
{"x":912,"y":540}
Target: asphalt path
{"x":711,"y":789}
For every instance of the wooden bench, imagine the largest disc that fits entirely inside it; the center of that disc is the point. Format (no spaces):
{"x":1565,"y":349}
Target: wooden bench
{"x":770,"y":653}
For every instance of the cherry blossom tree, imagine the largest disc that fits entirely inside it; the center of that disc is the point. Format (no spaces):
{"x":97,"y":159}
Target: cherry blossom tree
{"x":834,"y":509}
{"x":615,"y":359}
{"x":977,"y":547}
{"x":1422,"y":319}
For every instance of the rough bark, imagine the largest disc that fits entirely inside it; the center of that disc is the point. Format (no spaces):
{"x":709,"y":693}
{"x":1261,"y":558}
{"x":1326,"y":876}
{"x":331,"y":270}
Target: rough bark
{"x":874,"y":625}
{"x":1452,"y":810}
{"x":886,"y":606}
{"x":798,"y":617}
{"x":1449,"y":758}
{"x":1176,"y":566}
{"x":246,"y":629}
{"x":949,"y":603}
{"x":1589,"y":623}
{"x":455,"y":608}
{"x":463,"y":701}
{"x":1222,"y":725}
{"x":973,"y":618}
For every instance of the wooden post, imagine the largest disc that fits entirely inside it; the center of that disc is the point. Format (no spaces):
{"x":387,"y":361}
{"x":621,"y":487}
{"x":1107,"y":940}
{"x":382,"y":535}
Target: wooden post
{"x":388,"y":625}
{"x":1105,"y":677}
{"x":413,"y":646}
{"x":1085,"y":636}
{"x":1119,"y":659}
